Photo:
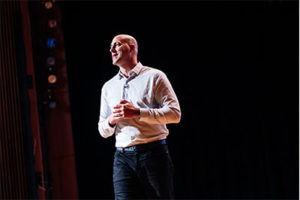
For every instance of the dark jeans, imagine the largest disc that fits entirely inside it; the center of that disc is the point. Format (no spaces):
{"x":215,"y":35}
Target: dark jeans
{"x":143,"y":174}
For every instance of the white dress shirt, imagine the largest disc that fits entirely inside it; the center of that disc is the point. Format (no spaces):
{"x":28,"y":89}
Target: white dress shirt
{"x":148,"y":89}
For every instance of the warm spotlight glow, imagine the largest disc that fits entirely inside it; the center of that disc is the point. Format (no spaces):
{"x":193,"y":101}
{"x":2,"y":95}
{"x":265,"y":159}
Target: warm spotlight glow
{"x":48,"y":5}
{"x":52,"y":79}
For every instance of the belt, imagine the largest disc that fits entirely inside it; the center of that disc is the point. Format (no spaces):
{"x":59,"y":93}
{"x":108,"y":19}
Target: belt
{"x":141,"y":147}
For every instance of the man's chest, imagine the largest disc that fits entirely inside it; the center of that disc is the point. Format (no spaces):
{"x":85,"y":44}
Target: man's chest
{"x":140,"y":92}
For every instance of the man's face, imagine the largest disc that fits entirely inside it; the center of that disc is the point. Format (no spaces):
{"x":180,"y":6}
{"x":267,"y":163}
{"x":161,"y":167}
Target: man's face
{"x":119,"y":51}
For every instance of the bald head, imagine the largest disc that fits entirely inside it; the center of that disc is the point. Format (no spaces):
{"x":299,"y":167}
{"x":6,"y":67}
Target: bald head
{"x":129,"y":40}
{"x":124,"y":50}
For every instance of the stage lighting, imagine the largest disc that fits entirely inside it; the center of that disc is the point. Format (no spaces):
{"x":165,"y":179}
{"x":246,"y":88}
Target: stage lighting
{"x":52,"y":103}
{"x":52,"y":23}
{"x":50,"y":61}
{"x":48,"y":5}
{"x":52,"y":79}
{"x":50,"y":42}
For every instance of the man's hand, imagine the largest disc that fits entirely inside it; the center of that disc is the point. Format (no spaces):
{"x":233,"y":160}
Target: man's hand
{"x":123,"y":110}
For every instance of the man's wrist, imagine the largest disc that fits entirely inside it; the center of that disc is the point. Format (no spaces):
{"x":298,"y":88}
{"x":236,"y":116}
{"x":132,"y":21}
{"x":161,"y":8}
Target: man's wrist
{"x":138,"y":112}
{"x":110,"y":124}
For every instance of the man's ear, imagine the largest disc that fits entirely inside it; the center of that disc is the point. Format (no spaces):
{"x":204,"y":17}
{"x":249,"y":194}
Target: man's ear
{"x":132,"y":47}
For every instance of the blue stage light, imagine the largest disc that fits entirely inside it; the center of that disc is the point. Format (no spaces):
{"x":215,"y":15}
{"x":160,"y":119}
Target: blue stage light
{"x":50,"y":42}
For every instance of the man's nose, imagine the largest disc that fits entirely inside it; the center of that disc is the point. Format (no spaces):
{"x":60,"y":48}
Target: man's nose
{"x":112,"y":49}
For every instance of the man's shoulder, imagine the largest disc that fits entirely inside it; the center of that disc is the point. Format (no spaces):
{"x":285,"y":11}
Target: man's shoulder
{"x":152,"y":71}
{"x":110,"y":82}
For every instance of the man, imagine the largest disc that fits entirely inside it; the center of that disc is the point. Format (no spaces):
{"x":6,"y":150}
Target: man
{"x":136,"y":105}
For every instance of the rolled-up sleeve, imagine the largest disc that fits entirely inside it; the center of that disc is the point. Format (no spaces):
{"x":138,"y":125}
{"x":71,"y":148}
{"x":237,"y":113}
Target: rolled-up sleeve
{"x":104,"y":128}
{"x":169,"y":109}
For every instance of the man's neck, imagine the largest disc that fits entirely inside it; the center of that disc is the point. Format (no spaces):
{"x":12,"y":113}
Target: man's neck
{"x":125,"y":69}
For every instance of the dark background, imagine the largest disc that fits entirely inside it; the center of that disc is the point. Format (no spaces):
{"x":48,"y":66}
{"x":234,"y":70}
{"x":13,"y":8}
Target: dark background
{"x":234,"y":67}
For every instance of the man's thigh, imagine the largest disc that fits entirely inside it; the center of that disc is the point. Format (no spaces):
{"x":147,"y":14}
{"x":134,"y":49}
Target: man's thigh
{"x":126,"y":185}
{"x":156,"y":173}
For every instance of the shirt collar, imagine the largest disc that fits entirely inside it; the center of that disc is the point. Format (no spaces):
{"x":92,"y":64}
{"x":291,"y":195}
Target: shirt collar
{"x":134,"y":72}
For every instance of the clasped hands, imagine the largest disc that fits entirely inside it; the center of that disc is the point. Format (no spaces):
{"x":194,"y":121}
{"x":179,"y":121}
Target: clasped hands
{"x":123,"y":110}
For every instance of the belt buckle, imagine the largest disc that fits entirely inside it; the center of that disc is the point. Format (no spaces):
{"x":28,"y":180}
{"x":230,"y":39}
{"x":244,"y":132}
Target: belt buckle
{"x":133,"y":148}
{"x":130,"y":149}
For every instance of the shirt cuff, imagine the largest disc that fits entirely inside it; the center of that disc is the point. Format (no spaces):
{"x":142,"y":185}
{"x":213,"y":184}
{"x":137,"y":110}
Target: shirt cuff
{"x":106,"y":129}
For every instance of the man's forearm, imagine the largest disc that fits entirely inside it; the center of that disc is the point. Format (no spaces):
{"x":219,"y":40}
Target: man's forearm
{"x":165,"y":115}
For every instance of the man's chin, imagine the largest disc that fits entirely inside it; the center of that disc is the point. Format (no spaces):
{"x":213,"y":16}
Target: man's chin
{"x":115,"y":63}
